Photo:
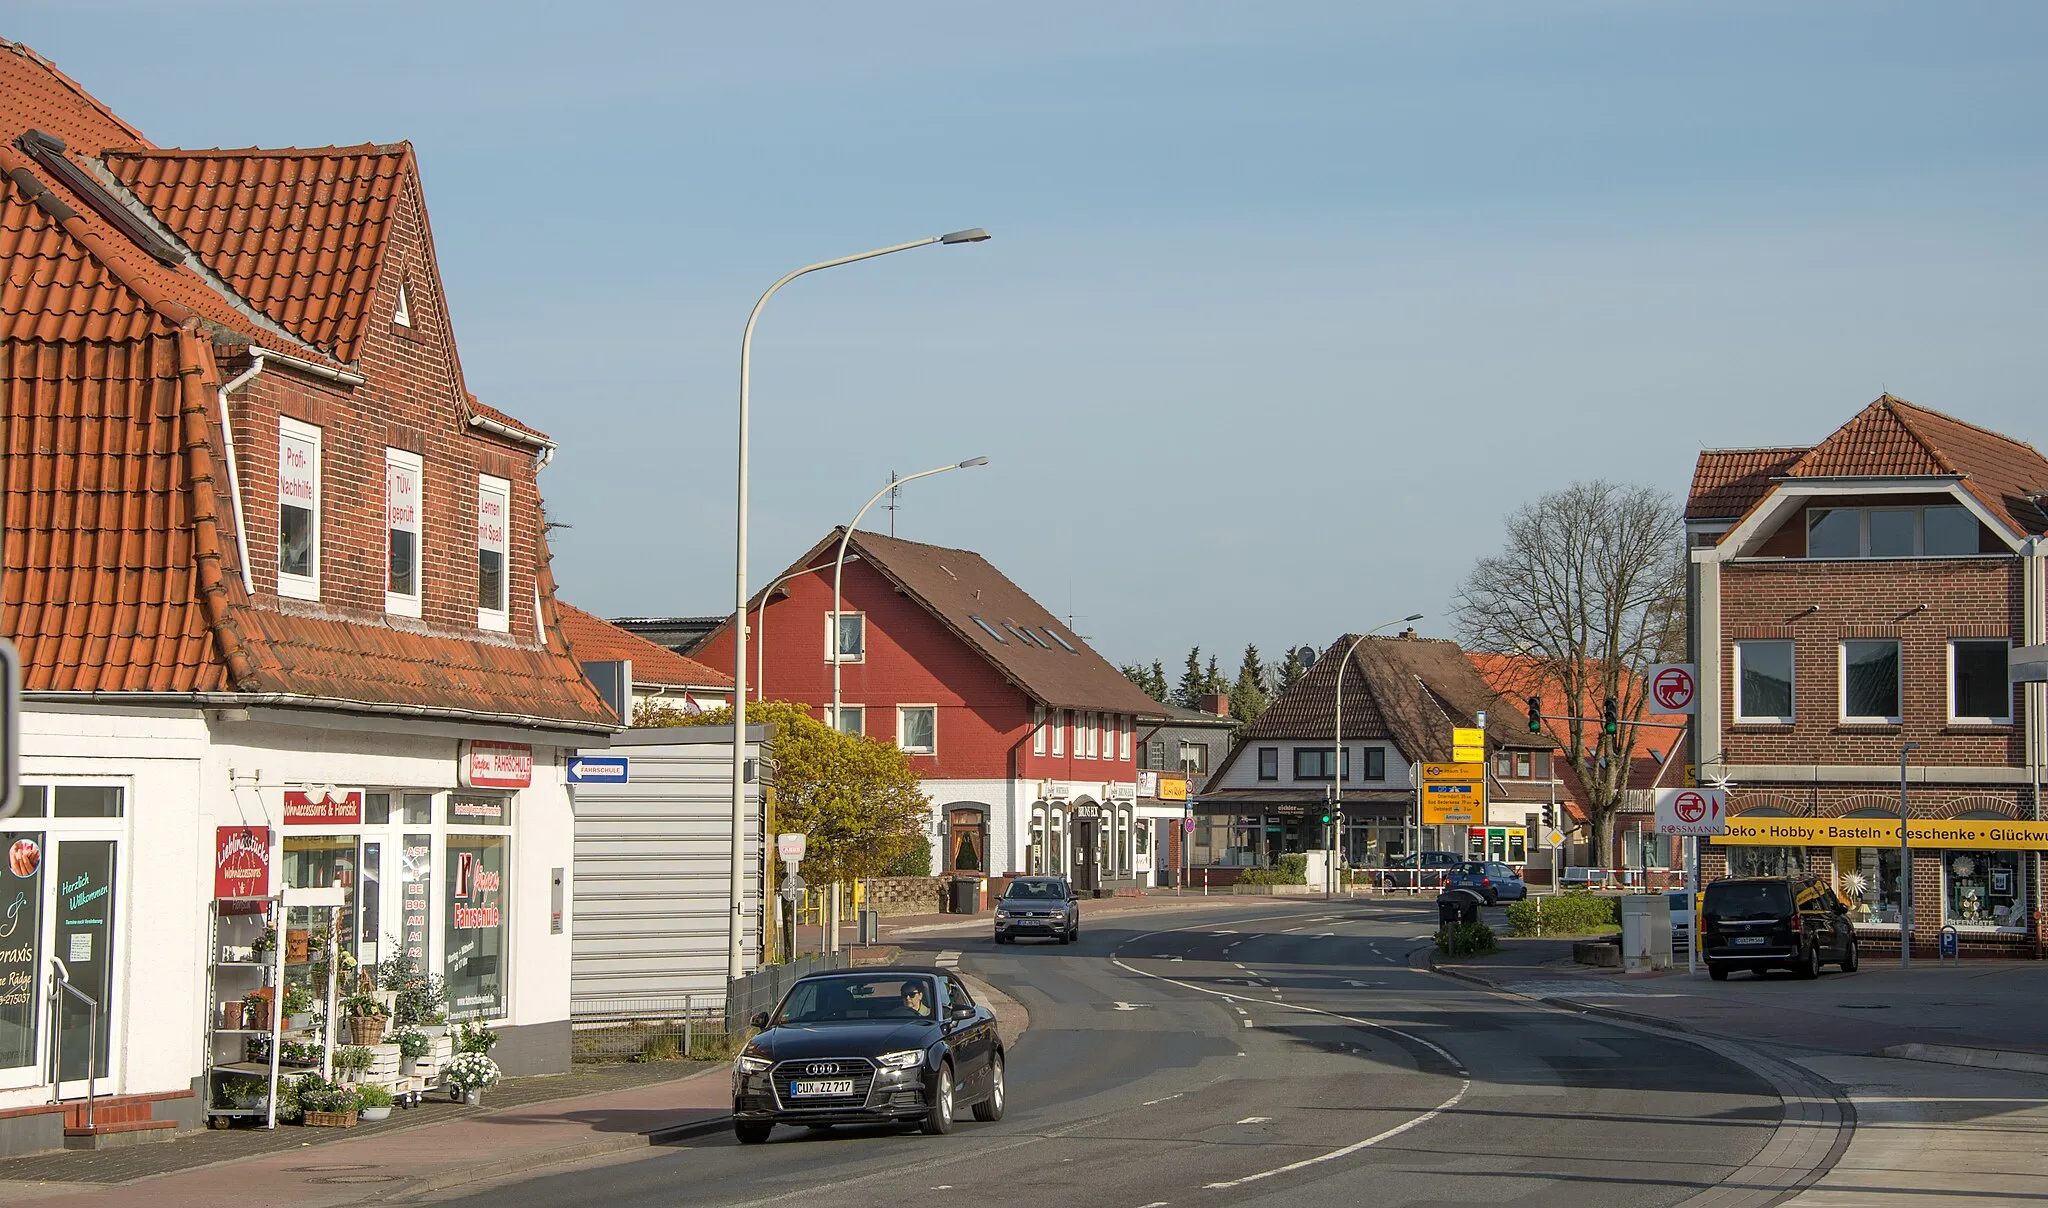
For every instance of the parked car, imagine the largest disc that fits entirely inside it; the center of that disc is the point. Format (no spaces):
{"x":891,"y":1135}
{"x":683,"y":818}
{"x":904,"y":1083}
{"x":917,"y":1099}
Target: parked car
{"x":1422,"y":870}
{"x":1681,"y":901}
{"x":1038,"y":906}
{"x":1761,"y":923}
{"x":1490,"y":879}
{"x":891,"y":1044}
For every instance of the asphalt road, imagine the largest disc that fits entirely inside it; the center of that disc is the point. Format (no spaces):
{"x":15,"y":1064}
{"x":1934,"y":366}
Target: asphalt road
{"x":1284,"y":1054}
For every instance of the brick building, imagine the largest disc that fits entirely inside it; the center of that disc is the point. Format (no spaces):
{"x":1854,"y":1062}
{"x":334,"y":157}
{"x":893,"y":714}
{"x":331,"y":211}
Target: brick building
{"x":1024,"y":734}
{"x":280,"y":589}
{"x":653,"y":676}
{"x":1849,"y":599}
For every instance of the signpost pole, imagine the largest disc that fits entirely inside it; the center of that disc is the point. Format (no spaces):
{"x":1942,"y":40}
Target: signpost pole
{"x":1905,"y":866}
{"x":1692,"y":901}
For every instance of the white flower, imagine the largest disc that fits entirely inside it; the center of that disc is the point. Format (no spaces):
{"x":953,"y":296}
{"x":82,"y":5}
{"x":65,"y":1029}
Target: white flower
{"x":472,"y":1071}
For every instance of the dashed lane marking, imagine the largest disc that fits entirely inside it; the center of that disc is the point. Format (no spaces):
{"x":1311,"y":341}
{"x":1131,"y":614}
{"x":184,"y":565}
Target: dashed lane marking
{"x":947,"y":960}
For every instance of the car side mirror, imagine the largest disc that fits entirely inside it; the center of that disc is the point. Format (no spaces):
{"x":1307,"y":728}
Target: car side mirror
{"x":961,"y":1011}
{"x":760,"y":1021}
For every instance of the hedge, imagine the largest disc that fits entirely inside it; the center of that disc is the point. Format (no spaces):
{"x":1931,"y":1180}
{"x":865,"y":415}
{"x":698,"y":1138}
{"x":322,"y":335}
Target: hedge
{"x":1466,"y":939}
{"x":1575,"y":913}
{"x":1292,"y":870}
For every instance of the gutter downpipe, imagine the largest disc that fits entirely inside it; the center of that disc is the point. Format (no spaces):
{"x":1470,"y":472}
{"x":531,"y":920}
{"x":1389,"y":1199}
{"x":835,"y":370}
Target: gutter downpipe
{"x":227,"y":432}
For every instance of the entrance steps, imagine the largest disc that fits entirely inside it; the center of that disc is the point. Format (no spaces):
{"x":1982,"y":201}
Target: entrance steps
{"x":117,"y":1120}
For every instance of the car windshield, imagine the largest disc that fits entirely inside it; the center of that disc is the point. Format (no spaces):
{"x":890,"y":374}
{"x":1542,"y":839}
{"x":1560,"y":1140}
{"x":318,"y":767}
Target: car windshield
{"x":1748,"y":900}
{"x":857,"y":999}
{"x":1034,"y":891}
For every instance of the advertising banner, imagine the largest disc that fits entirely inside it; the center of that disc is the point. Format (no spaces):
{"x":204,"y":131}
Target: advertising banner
{"x":241,"y":861}
{"x":1981,"y":834}
{"x":327,"y":808}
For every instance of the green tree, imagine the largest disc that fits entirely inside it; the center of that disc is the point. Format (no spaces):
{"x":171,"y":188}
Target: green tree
{"x":1248,"y":697}
{"x":1288,"y":672}
{"x":1189,"y":693}
{"x":1150,"y":680}
{"x":1212,"y":678}
{"x":857,"y":798}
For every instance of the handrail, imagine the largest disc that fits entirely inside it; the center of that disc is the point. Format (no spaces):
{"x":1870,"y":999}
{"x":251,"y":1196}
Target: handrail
{"x":60,"y":985}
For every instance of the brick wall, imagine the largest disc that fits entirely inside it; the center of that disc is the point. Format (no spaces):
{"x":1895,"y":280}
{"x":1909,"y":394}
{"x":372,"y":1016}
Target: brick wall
{"x":413,"y":400}
{"x":1921,"y":603}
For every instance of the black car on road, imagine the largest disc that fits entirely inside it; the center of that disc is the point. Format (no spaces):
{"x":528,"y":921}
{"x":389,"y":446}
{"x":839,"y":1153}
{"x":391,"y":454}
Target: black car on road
{"x":890,"y":1044}
{"x":1043,"y":906}
{"x":1762,"y":923}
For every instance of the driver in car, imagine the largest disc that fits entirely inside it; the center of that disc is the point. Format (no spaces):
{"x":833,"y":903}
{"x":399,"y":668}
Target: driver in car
{"x":914,"y":1001}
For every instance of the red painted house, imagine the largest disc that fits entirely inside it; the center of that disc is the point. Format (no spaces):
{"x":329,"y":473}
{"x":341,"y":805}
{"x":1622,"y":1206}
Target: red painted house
{"x":1024,"y":734}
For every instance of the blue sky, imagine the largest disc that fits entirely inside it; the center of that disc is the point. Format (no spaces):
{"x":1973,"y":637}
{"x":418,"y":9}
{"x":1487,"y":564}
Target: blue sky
{"x":1288,"y":304}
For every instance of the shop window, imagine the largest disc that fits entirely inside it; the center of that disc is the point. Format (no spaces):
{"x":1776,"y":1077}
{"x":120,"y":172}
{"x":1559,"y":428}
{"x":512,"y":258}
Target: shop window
{"x":402,"y":506}
{"x":1870,"y":681}
{"x":473,"y":922}
{"x":493,"y":545}
{"x":1269,"y":763}
{"x":376,"y":809}
{"x":298,"y":510}
{"x":1763,"y":681}
{"x":419,"y":809}
{"x":1868,"y":878}
{"x":1756,"y":861}
{"x":1978,"y":690}
{"x":917,"y":729}
{"x":1983,"y":889}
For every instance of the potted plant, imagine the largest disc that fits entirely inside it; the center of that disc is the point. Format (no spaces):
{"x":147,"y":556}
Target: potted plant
{"x":264,"y":944}
{"x":413,"y":1044}
{"x":417,"y":997}
{"x":299,"y":1052}
{"x":327,"y":1105}
{"x":297,"y":1001}
{"x":351,"y":1060}
{"x":474,"y":1036}
{"x":376,"y":1101}
{"x":256,"y":1008}
{"x":470,"y":1075}
{"x":367,"y":1019}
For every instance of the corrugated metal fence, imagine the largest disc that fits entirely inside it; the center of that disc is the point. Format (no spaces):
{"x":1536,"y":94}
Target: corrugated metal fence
{"x":762,"y":989}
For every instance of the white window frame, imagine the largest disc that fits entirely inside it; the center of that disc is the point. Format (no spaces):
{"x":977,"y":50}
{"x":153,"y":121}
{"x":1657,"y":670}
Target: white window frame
{"x":1842,"y":684}
{"x":499,"y":619}
{"x":1763,"y":719}
{"x":847,"y":706}
{"x":831,"y":638}
{"x":909,"y":750}
{"x":300,"y":587}
{"x":1976,"y":721}
{"x":1081,"y":727}
{"x":400,"y":603}
{"x":1059,"y":731}
{"x":1124,"y":725}
{"x":1038,"y":730}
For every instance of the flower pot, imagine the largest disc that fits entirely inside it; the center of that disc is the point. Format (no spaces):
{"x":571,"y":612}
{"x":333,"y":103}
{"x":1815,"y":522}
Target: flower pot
{"x":474,"y":1096}
{"x":367,"y":1029}
{"x":374,"y":1114}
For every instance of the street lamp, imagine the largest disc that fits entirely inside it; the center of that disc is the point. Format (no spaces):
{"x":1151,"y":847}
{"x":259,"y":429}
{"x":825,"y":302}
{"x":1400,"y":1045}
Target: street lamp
{"x":736,"y":892}
{"x":839,"y":569}
{"x":1905,"y":867}
{"x":1337,"y":769}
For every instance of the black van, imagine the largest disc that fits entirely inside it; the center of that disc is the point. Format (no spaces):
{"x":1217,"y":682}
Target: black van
{"x":1761,"y":923}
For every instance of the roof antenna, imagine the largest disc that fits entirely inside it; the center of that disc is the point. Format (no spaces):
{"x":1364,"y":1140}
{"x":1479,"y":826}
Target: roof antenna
{"x":894,"y":491}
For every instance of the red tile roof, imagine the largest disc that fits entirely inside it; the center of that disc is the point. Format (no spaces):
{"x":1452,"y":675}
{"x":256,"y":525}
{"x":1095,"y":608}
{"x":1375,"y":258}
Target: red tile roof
{"x":111,"y":567}
{"x":298,"y":233}
{"x":1727,"y":481}
{"x":594,"y":639}
{"x":480,"y":408}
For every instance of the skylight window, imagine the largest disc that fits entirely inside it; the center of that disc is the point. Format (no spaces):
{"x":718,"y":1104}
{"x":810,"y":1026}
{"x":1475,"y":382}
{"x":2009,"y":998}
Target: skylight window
{"x":989,"y":629}
{"x":1062,"y":641}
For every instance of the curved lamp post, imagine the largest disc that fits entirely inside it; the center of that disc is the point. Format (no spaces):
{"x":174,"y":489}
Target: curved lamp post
{"x":736,"y":892}
{"x":1337,"y":768}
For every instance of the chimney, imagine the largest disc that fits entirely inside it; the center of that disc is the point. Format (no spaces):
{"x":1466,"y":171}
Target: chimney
{"x":1215,"y":703}
{"x":1408,"y":634}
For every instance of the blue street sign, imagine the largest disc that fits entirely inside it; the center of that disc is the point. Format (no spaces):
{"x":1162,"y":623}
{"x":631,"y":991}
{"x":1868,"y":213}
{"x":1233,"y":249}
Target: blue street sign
{"x":605,"y":769}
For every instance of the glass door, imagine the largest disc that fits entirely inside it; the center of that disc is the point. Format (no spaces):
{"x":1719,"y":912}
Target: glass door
{"x":84,"y":940}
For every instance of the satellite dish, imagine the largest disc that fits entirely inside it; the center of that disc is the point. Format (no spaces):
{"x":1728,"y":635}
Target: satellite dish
{"x":1306,"y":656}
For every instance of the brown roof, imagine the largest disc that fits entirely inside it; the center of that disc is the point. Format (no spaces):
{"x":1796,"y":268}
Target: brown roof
{"x":298,"y":233}
{"x":112,"y":570}
{"x":1727,"y":481}
{"x":479,"y":407}
{"x":594,"y":639}
{"x":1890,"y":438}
{"x":957,"y":585}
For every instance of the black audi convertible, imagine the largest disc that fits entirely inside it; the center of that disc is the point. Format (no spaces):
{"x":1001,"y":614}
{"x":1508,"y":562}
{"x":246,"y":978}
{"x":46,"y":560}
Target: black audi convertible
{"x":892,"y":1044}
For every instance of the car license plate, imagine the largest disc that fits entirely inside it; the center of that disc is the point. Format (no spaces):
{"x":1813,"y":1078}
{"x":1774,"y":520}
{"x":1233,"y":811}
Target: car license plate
{"x":824,"y":1086}
{"x":1751,"y":939}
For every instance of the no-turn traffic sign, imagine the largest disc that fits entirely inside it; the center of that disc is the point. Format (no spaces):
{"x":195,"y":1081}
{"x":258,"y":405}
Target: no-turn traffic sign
{"x":1692,"y":812}
{"x":1674,"y":688}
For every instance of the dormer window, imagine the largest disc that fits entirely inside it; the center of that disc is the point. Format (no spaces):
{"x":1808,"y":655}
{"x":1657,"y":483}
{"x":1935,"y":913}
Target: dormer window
{"x":1901,"y":532}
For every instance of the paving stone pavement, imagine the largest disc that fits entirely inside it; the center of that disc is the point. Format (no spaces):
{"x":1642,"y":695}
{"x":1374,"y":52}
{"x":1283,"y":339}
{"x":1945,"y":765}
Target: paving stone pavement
{"x":195,"y":1149}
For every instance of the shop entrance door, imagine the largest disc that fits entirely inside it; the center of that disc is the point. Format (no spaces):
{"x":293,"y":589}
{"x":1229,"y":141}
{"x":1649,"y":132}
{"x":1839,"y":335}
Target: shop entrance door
{"x":83,"y":938}
{"x":1086,"y":875}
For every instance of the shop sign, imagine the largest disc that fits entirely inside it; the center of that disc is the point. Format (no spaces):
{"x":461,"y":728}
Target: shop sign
{"x":477,"y":811}
{"x":1692,"y":812}
{"x":1089,"y":810}
{"x":328,"y":807}
{"x":496,"y":765}
{"x":1173,"y":788}
{"x":241,"y":861}
{"x":1980,"y":834}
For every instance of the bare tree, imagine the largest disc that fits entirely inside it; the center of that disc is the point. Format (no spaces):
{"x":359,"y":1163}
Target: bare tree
{"x":1587,"y":592}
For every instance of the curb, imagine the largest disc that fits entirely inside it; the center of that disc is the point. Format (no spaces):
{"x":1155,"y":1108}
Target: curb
{"x":1950,"y":1054}
{"x":1573,"y":1004}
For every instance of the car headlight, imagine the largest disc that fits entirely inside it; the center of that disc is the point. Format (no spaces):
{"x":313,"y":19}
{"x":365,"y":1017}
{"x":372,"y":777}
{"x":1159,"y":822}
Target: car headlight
{"x":1002,"y":914}
{"x":751,"y":1064}
{"x":900,"y":1061}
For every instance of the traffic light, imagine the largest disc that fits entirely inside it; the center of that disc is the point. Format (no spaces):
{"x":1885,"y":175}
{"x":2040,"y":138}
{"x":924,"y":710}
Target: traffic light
{"x":1535,"y":715}
{"x":1549,"y":816}
{"x":1610,"y":716}
{"x":1326,"y":820}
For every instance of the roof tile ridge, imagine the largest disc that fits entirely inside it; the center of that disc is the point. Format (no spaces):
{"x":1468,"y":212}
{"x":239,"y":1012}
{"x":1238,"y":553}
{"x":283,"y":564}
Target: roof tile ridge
{"x":50,"y":65}
{"x":191,"y":261}
{"x":331,"y":151}
{"x":1733,"y":450}
{"x":198,"y":376}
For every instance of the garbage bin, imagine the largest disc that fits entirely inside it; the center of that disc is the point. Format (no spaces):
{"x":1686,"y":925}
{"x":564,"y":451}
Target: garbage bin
{"x":966,"y":896}
{"x":1455,"y":907}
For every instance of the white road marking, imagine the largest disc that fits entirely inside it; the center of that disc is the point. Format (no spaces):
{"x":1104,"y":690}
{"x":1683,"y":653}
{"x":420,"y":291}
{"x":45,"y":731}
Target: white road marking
{"x":1256,"y":1120}
{"x":1174,"y":959}
{"x":1291,"y":930}
{"x":1131,"y":1006}
{"x":1240,"y":966}
{"x":947,"y":960}
{"x":1223,"y":933}
{"x":1350,"y":1149}
{"x":1327,"y":935}
{"x":1157,"y":1204}
{"x":1162,"y":1099}
{"x":1246,"y":1022}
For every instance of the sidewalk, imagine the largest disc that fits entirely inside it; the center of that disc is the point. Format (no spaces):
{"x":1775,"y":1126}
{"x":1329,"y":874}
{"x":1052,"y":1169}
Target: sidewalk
{"x":1881,"y":1010}
{"x":437,"y":1145}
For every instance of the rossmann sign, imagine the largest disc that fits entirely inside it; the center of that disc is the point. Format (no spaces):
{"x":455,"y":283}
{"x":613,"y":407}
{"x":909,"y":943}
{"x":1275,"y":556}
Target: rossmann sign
{"x":1989,"y":834}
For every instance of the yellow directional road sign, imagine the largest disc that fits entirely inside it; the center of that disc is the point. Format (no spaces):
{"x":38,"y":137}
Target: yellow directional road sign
{"x":1452,"y":803}
{"x":1453,"y":773}
{"x":1467,"y":736}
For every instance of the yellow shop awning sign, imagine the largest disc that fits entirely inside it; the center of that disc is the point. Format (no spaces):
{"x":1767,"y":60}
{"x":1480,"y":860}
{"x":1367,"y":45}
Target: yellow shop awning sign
{"x":1988,"y":834}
